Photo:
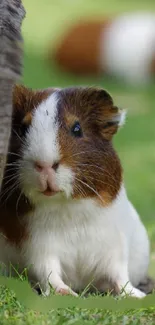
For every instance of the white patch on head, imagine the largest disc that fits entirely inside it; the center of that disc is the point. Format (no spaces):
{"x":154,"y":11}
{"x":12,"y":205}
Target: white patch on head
{"x":42,"y":145}
{"x":42,"y":138}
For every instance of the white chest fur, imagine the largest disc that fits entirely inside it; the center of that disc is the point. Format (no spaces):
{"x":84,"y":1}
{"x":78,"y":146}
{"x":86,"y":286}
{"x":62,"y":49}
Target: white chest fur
{"x":80,"y":242}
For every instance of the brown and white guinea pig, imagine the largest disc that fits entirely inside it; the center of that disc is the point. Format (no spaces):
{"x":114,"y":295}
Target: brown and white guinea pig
{"x":122,"y":46}
{"x":64,"y":211}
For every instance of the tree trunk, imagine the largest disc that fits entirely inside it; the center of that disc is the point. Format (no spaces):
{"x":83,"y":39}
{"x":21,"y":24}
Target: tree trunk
{"x":11,"y":15}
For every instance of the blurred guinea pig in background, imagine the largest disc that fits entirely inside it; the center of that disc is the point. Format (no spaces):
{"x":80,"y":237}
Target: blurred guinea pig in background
{"x":122,"y":47}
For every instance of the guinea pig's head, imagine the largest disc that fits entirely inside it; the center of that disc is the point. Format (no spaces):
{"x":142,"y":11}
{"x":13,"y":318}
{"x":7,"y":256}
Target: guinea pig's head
{"x":62,"y":143}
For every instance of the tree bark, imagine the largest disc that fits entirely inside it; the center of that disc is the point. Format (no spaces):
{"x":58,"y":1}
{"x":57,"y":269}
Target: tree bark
{"x":12,"y":13}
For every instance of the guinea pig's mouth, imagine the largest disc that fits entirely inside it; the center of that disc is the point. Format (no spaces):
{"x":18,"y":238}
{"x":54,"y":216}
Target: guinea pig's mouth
{"x":49,"y":192}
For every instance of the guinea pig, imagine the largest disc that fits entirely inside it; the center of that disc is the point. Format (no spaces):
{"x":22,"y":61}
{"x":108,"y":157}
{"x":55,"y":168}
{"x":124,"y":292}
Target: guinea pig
{"x":64,"y":211}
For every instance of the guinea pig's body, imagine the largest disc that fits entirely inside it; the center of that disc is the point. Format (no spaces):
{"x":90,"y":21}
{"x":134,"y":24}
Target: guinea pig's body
{"x":84,"y":250}
{"x":67,"y":217}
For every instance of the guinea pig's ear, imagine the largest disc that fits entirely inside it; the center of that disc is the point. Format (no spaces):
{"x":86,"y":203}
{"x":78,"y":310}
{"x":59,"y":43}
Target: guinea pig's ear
{"x":108,"y":117}
{"x":26,"y":99}
{"x":115,"y":118}
{"x":21,"y":96}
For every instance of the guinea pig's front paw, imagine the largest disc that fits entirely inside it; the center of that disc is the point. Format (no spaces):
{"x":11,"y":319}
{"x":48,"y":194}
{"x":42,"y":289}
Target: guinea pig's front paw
{"x":135,"y":293}
{"x":65,"y":290}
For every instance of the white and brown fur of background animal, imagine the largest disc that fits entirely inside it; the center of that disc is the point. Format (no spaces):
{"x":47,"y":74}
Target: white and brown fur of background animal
{"x":121,"y":46}
{"x":63,"y":227}
{"x":79,"y":48}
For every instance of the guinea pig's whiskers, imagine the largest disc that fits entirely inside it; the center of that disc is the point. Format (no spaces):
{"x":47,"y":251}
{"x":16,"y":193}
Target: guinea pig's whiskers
{"x":9,"y":190}
{"x":17,"y":203}
{"x":80,"y":191}
{"x":92,"y":178}
{"x":88,"y":151}
{"x":94,"y":166}
{"x":13,"y":187}
{"x":11,"y":178}
{"x":83,"y":152}
{"x":91,"y":188}
{"x":11,"y":166}
{"x":99,"y":168}
{"x":99,"y":180}
{"x":14,"y":163}
{"x":18,"y":136}
{"x":8,"y":187}
{"x":11,"y":173}
{"x":104,"y":171}
{"x":14,"y":154}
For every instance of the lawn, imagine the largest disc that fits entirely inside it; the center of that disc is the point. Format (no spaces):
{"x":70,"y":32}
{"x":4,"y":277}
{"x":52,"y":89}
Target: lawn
{"x":45,"y":22}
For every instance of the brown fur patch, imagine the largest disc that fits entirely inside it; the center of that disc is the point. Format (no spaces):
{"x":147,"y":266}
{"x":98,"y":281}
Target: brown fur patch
{"x":25,"y":101}
{"x":95,"y":164}
{"x":70,"y":119}
{"x":28,"y":118}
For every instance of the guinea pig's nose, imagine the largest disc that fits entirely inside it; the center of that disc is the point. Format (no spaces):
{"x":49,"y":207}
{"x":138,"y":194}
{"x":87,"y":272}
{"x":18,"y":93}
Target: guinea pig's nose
{"x":43,"y":167}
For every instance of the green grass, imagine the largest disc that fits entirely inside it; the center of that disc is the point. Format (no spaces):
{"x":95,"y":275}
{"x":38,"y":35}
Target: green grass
{"x":46,"y":21}
{"x":12,"y":312}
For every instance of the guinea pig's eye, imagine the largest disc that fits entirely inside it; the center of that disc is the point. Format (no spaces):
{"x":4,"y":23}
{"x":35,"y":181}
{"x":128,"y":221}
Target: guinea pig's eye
{"x":76,"y":130}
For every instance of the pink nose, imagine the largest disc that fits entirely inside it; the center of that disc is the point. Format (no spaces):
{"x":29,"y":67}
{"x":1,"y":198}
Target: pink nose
{"x":43,"y":167}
